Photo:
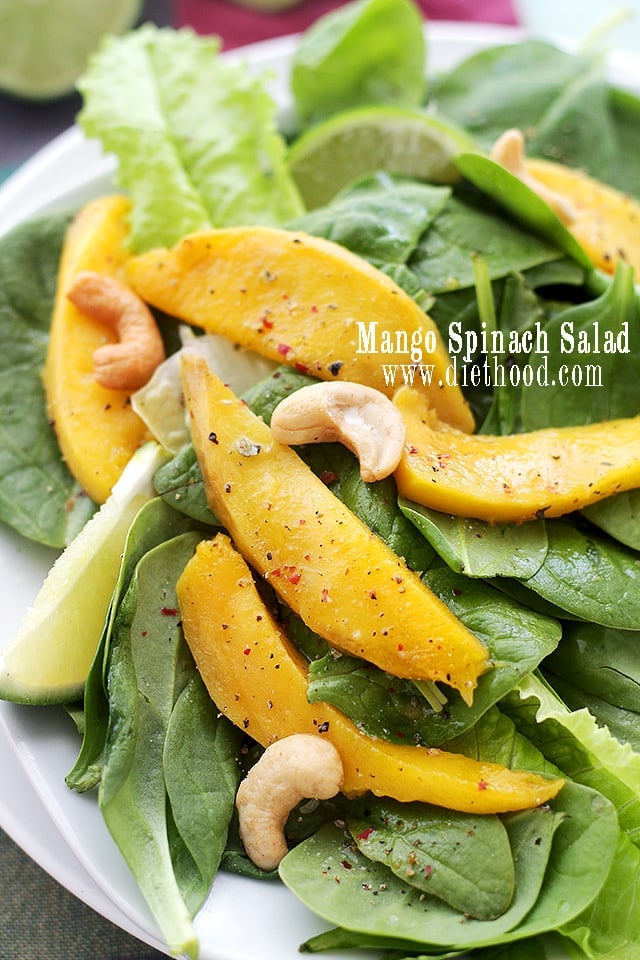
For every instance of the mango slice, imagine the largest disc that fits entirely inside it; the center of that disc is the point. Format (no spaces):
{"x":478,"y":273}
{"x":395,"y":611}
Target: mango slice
{"x":544,"y":473}
{"x":327,"y":566}
{"x":258,"y":679}
{"x":97,"y":430}
{"x":605,"y":220}
{"x":300,"y":300}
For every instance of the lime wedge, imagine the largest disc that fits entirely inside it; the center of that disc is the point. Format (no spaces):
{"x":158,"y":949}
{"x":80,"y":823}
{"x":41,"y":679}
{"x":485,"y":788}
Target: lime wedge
{"x":45,"y":44}
{"x":356,"y":143}
{"x":49,"y":658}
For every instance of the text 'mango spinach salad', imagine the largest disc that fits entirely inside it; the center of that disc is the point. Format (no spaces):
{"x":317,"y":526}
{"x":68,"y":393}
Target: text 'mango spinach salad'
{"x":458,"y":634}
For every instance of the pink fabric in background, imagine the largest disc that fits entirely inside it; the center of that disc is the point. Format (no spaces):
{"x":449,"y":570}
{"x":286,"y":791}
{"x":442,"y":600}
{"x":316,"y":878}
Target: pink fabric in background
{"x":237,"y":25}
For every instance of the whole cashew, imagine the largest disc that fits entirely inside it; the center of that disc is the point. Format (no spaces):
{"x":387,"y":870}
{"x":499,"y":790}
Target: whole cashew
{"x":508,"y":151}
{"x":360,"y":417}
{"x":292,"y":769}
{"x":126,"y":365}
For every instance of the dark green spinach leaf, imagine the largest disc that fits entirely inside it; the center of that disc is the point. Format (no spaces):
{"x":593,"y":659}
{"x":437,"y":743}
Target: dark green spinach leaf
{"x":462,"y":859}
{"x":590,"y":576}
{"x":479,"y":549}
{"x":38,"y":496}
{"x":350,"y":58}
{"x":556,"y":844}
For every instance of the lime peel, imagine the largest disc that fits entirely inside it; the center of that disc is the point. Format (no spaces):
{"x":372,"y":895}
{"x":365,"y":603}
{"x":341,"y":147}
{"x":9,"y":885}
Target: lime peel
{"x":357,"y":143}
{"x":45,"y":44}
{"x":49,"y":658}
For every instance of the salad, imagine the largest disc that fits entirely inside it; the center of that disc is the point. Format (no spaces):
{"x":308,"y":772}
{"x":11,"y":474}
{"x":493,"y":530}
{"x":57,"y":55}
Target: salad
{"x":475,"y":667}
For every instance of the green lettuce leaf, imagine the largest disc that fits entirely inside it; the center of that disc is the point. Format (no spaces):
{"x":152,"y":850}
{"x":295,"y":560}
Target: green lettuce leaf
{"x":195,"y":137}
{"x":579,"y":747}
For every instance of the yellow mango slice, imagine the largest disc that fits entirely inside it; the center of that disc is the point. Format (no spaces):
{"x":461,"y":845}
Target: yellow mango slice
{"x":548,"y":472}
{"x":258,"y":679}
{"x":341,"y":579}
{"x":605,"y":221}
{"x":300,"y":300}
{"x":96,"y":428}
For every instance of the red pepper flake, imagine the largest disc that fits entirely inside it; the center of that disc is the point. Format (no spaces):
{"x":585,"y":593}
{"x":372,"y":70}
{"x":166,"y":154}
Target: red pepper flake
{"x":301,"y":367}
{"x":427,"y":870}
{"x":328,"y":476}
{"x":307,"y":557}
{"x":365,"y":834}
{"x":283,"y":349}
{"x":314,"y":309}
{"x":346,"y":864}
{"x":372,"y":595}
{"x":413,"y":450}
{"x":482,"y":785}
{"x":295,"y":578}
{"x":247,"y":651}
{"x":144,"y":633}
{"x":169,"y":612}
{"x":400,"y":646}
{"x":266,"y":322}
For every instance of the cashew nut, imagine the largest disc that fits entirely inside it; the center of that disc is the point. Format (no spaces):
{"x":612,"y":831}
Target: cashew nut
{"x":126,"y":365}
{"x":292,"y":769}
{"x":508,"y":151}
{"x":360,"y":417}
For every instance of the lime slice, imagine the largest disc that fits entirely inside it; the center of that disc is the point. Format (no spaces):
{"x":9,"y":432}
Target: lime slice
{"x":45,"y":44}
{"x":356,"y":143}
{"x":49,"y":658}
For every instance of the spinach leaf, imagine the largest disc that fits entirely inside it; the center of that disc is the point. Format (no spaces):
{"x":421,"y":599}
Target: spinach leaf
{"x":496,"y":738}
{"x":462,"y":859}
{"x":560,"y":99}
{"x":521,"y":202}
{"x":604,"y":379}
{"x":201,"y":775}
{"x":589,"y":575}
{"x":443,"y":260}
{"x":619,"y":516}
{"x":569,"y":846}
{"x":38,"y":496}
{"x":179,"y":483}
{"x":351,"y":58}
{"x":154,"y":523}
{"x":384,"y":706}
{"x":149,"y":666}
{"x":381,"y":218}
{"x":625,"y":114}
{"x":479,"y":549}
{"x":340,"y":939}
{"x":600,"y":660}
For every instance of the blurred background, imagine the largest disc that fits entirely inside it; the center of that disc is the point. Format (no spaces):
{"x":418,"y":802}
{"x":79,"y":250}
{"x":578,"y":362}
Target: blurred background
{"x":26,"y":125}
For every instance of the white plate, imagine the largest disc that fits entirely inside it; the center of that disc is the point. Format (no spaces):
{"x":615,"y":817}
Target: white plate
{"x":83,"y":856}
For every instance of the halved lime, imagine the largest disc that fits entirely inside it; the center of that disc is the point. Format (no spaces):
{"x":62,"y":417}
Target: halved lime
{"x":50,"y":656}
{"x":45,"y":44}
{"x":356,"y":143}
